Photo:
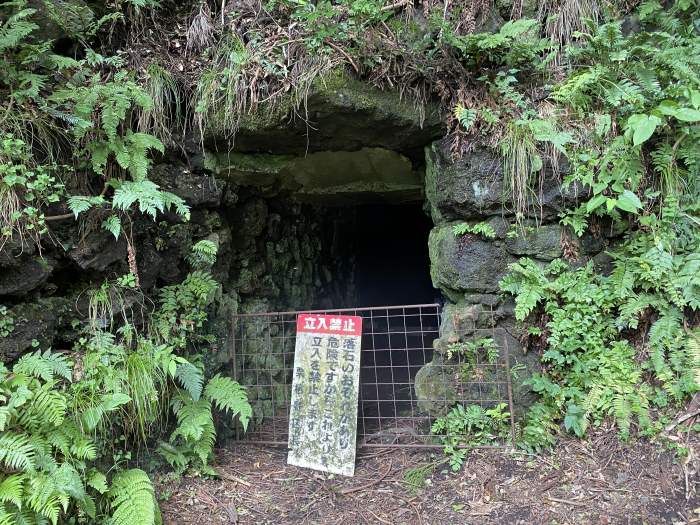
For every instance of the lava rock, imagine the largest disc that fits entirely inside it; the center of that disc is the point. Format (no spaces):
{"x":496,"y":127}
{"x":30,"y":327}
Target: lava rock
{"x":542,"y":243}
{"x":36,"y":322}
{"x":342,"y":114}
{"x":26,"y":274}
{"x":98,"y":251}
{"x":465,"y":263}
{"x":435,"y":388}
{"x":198,"y":190}
{"x":472,"y":186}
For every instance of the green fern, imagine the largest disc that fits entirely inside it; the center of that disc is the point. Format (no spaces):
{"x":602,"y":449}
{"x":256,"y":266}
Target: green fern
{"x":133,"y":499}
{"x":192,"y":418}
{"x":229,"y":396}
{"x":150,"y":198}
{"x":43,"y":365}
{"x":17,"y":451}
{"x":191,"y":379}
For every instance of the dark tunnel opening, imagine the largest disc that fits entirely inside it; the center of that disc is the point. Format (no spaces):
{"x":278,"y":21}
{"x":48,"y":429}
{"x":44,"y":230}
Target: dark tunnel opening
{"x":392,"y":269}
{"x":391,"y":255}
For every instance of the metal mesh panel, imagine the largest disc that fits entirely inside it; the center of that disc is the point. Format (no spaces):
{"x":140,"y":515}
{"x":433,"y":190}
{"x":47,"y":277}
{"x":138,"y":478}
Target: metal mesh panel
{"x":399,"y":398}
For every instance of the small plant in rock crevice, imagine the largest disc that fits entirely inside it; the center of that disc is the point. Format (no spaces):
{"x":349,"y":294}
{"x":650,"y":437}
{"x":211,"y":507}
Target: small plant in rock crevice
{"x":472,"y":354}
{"x":480,"y":228}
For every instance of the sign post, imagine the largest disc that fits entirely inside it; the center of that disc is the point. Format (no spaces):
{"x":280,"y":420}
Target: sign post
{"x":323,"y":415}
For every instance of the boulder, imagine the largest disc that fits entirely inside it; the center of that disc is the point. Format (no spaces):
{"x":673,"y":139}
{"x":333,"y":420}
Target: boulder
{"x":434,"y":387}
{"x":472,"y":187}
{"x":441,"y":383}
{"x":198,"y":190}
{"x":465,"y":263}
{"x":326,"y":178}
{"x":25,"y":275}
{"x":98,"y":251}
{"x":340,"y":113}
{"x":467,"y":188}
{"x":33,"y":325}
{"x":543,"y":242}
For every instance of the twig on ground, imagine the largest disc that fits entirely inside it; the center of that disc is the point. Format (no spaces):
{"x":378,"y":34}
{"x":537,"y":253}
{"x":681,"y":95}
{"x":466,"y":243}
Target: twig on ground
{"x":231,"y":477}
{"x":566,"y":501}
{"x":682,"y":419}
{"x":367,"y":485}
{"x":378,"y":518}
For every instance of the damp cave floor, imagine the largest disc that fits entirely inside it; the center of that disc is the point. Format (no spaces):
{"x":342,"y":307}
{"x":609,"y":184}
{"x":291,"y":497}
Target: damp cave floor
{"x":597,"y":481}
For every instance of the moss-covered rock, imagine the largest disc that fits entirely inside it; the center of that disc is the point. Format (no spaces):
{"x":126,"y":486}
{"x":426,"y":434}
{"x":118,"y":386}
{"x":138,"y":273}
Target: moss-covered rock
{"x":340,"y":113}
{"x":34,"y":325}
{"x":25,"y":274}
{"x":465,"y":263}
{"x":469,"y":188}
{"x":472,"y":187}
{"x":197,"y":189}
{"x":328,"y":178}
{"x":444,"y":382}
{"x":543,"y":242}
{"x":434,"y":387}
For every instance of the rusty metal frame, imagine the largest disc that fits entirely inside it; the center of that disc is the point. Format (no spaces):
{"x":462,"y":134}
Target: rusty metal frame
{"x":261,"y":352}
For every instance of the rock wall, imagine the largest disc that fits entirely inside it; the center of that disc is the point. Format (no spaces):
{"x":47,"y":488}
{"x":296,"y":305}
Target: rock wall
{"x":467,"y":268}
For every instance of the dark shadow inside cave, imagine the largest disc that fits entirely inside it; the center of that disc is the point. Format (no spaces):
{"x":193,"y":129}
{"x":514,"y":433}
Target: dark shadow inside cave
{"x":390,"y":245}
{"x":392,"y":269}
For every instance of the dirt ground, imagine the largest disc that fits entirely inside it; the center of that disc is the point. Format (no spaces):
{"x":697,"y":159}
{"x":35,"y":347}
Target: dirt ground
{"x":598,"y":481}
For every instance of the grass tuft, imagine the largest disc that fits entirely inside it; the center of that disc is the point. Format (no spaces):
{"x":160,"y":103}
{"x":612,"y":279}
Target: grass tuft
{"x":166,"y":112}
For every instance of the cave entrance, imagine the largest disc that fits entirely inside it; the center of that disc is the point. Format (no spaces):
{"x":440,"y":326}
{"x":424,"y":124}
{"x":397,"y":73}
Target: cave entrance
{"x":385,"y":260}
{"x":391,"y":267}
{"x":365,"y":214}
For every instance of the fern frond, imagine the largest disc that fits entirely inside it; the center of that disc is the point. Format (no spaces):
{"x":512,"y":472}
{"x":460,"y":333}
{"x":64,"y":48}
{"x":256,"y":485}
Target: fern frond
{"x":46,"y":496}
{"x":132,"y":498}
{"x":44,"y":365}
{"x":192,"y":418}
{"x":16,"y":451}
{"x":666,"y":328}
{"x":204,"y":446}
{"x":229,"y":396}
{"x":191,"y":379}
{"x":5,"y":517}
{"x":48,"y":406}
{"x":11,"y":489}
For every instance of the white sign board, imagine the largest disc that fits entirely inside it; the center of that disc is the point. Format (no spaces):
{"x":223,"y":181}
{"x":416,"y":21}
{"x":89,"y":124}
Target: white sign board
{"x":323,"y":415}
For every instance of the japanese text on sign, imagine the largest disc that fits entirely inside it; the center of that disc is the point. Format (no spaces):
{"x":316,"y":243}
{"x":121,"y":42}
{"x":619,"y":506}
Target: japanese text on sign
{"x":323,"y":416}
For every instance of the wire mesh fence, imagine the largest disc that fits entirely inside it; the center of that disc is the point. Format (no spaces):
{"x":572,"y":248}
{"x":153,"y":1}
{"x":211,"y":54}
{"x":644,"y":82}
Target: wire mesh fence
{"x":405,"y":385}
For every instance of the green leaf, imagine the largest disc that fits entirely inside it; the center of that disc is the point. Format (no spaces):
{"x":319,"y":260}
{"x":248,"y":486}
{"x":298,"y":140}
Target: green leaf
{"x":603,"y":123}
{"x":81,"y":203}
{"x":642,"y":127}
{"x":595,"y":203}
{"x":687,"y":114}
{"x":113,"y":401}
{"x":628,"y":201}
{"x":575,"y":420}
{"x":191,"y":378}
{"x":97,"y":481}
{"x":132,"y":499}
{"x":113,"y":225}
